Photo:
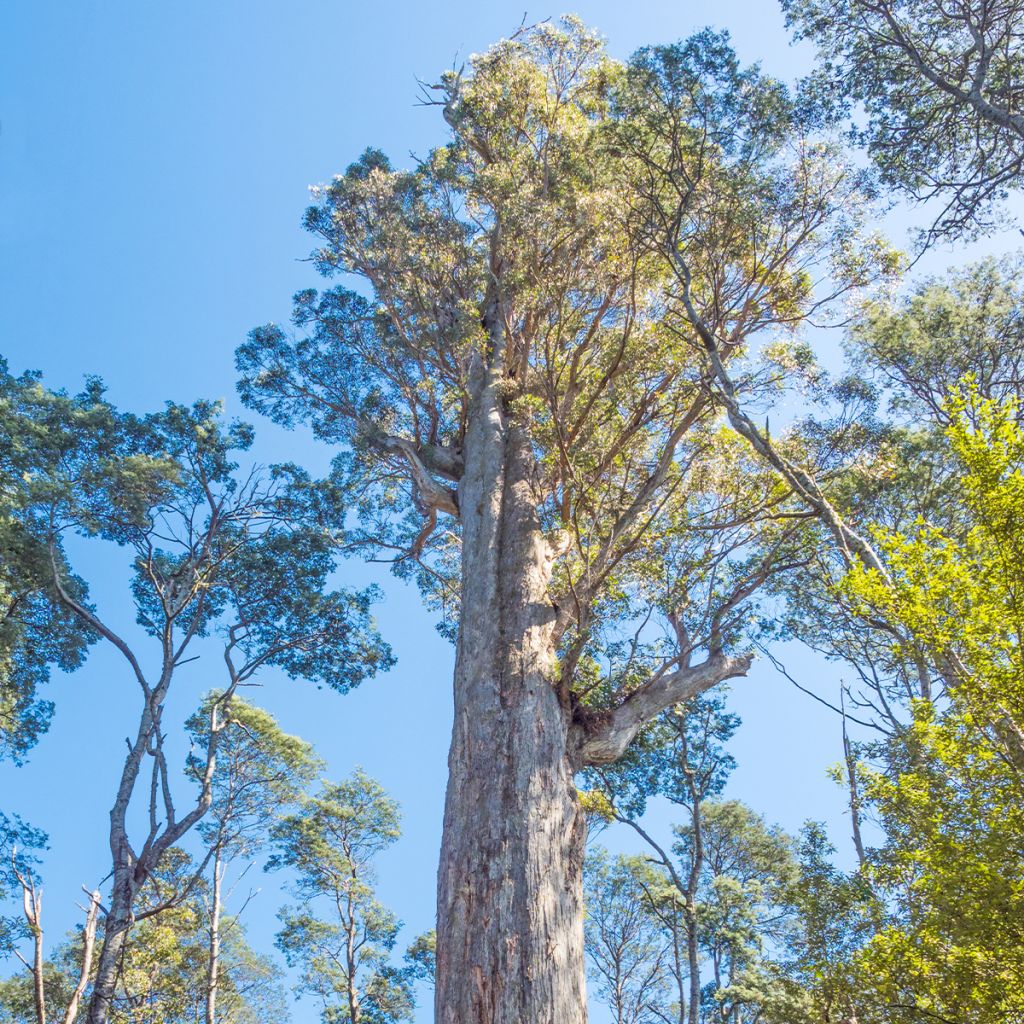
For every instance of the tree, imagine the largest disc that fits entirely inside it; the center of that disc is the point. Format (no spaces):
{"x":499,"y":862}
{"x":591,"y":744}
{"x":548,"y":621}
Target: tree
{"x":260,"y":772}
{"x":836,"y":914}
{"x":965,"y":323}
{"x":940,"y":84}
{"x":682,"y":758}
{"x":743,"y":910}
{"x":36,"y":630}
{"x":340,"y":937}
{"x":625,"y":944}
{"x":214,"y":551}
{"x":950,"y":802}
{"x":722,"y":891}
{"x":527,"y":417}
{"x":161,"y":977}
{"x":907,"y":352}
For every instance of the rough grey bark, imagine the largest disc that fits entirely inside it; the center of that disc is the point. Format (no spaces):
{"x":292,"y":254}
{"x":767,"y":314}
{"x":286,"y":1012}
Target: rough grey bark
{"x":510,"y":884}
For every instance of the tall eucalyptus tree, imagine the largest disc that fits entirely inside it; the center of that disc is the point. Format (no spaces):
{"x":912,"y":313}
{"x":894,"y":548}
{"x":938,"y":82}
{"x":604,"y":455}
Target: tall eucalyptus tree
{"x":532,"y":426}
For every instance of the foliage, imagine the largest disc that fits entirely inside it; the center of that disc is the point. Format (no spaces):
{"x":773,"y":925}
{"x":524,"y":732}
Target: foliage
{"x":39,"y":432}
{"x":940,"y":85}
{"x":260,"y":772}
{"x":541,"y":220}
{"x":339,"y":936}
{"x":950,"y":806}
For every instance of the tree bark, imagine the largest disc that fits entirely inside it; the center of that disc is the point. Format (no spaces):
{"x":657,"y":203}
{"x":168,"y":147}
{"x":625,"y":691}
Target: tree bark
{"x":126,"y":884}
{"x":88,"y":943}
{"x":213,"y":960}
{"x":38,"y":959}
{"x":116,"y":926}
{"x":510,"y":883}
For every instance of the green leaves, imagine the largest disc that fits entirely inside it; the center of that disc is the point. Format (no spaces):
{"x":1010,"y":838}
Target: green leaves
{"x":340,"y":936}
{"x":950,"y":803}
{"x":937,"y":86}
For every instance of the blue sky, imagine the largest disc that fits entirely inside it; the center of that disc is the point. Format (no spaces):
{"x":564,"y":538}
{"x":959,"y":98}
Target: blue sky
{"x":154,"y":161}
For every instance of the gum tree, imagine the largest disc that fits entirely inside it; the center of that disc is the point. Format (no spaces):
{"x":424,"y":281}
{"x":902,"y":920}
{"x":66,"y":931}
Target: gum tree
{"x":241,"y":558}
{"x":260,"y":775}
{"x":340,"y":936}
{"x":531,"y":424}
{"x":940,"y":85}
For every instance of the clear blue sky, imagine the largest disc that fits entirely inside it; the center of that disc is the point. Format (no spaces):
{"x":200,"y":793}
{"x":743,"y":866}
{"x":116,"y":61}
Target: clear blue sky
{"x":154,"y":160}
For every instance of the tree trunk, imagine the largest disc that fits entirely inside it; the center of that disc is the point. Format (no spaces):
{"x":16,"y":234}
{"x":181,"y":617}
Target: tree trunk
{"x":213,"y":961}
{"x":88,"y":943}
{"x":38,"y":961}
{"x":128,"y":875}
{"x":116,"y":926}
{"x":510,"y":883}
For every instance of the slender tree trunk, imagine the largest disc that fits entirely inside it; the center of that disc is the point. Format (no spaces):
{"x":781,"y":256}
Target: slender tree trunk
{"x":693,"y":883}
{"x":352,"y":965}
{"x":677,"y":954}
{"x":126,"y":885}
{"x":89,"y":942}
{"x":510,"y":884}
{"x":213,"y":961}
{"x":38,"y":960}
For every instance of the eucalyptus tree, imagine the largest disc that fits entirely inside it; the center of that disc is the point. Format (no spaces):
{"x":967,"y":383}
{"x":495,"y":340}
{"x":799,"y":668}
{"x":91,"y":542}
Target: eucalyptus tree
{"x":260,"y":774}
{"x":243,"y":556}
{"x":527,"y":418}
{"x":941,"y":87}
{"x":340,"y":936}
{"x":626,"y":947}
{"x":682,"y":758}
{"x":36,"y":631}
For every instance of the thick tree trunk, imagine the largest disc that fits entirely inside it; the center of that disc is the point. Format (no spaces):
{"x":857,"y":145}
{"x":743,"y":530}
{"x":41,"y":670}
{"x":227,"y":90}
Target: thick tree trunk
{"x":510,"y":900}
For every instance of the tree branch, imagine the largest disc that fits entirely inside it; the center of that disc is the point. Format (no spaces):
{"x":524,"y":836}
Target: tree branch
{"x":607,"y":741}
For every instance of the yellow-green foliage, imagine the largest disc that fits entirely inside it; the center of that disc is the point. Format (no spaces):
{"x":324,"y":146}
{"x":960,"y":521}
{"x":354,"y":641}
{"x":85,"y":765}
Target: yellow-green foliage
{"x":952,"y":810}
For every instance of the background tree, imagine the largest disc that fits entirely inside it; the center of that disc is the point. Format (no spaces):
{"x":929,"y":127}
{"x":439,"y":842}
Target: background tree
{"x":245,"y":556}
{"x":891,"y":465}
{"x":36,"y":630}
{"x":743,"y":911}
{"x":683,"y":758}
{"x":340,"y":937}
{"x":626,"y":946}
{"x":161,"y":976}
{"x":260,"y":773}
{"x":525,"y":401}
{"x":941,"y":87}
{"x":949,"y":801}
{"x":721,"y":889}
{"x":836,"y":914}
